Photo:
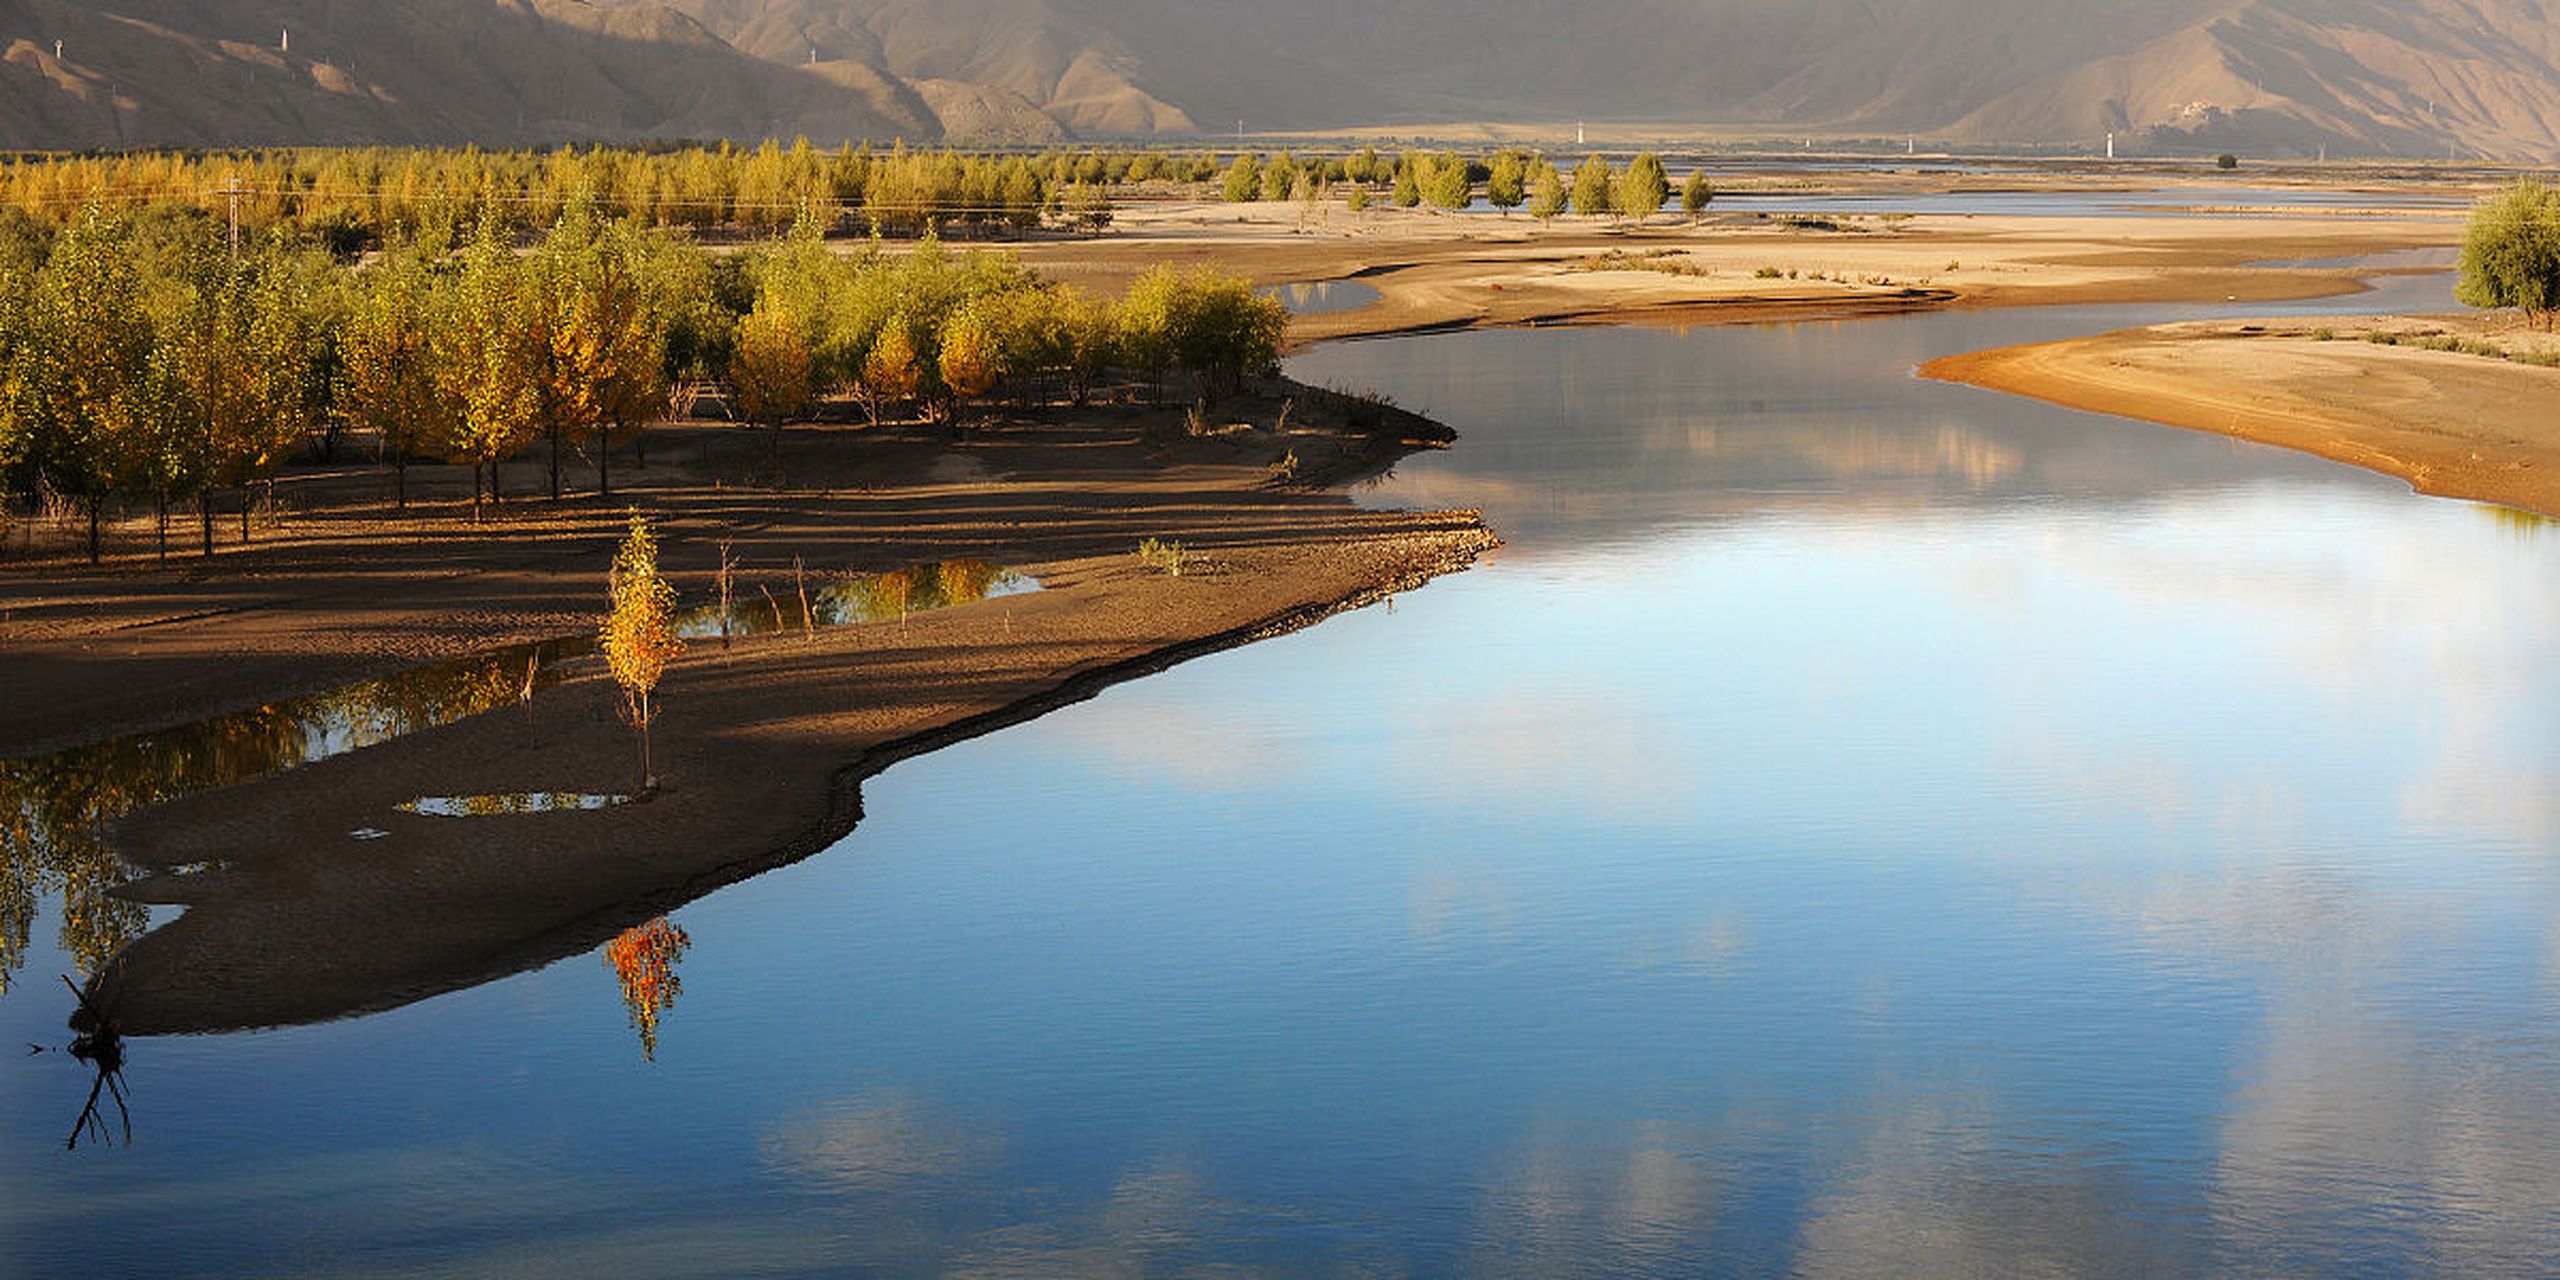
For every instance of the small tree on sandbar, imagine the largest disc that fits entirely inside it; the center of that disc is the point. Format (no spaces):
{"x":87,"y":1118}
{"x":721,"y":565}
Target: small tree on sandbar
{"x":640,"y":635}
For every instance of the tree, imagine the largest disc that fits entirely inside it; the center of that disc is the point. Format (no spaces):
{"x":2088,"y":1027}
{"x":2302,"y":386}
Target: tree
{"x":1696,"y":193}
{"x":1406,"y":191}
{"x":1594,"y":187}
{"x":84,"y":373}
{"x":1546,"y":192}
{"x":971,"y":359}
{"x":1508,"y":186}
{"x":1244,"y":179}
{"x":1280,"y":177}
{"x":1209,"y":324}
{"x":647,"y":286}
{"x":1641,"y":192}
{"x":2226,"y":161}
{"x":487,"y":360}
{"x":1444,"y":183}
{"x":2511,"y":253}
{"x":639,"y":636}
{"x":770,"y":370}
{"x":386,"y":372}
{"x":893,"y":371}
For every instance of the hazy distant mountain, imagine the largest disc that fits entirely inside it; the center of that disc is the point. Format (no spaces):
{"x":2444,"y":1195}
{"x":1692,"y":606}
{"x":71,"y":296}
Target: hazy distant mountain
{"x":2359,"y":76}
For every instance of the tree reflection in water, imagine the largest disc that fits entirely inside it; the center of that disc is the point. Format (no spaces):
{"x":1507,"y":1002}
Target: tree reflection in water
{"x":644,"y":960}
{"x":53,"y":807}
{"x":102,"y":1048}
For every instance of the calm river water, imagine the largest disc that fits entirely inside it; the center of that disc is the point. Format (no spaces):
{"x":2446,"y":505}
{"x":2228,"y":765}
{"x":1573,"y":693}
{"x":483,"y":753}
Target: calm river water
{"x":1858,"y":826}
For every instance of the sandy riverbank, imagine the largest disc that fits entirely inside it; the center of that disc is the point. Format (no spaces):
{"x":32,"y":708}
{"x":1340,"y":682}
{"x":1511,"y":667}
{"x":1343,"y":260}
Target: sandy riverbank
{"x":1439,"y":271}
{"x":764,"y":743}
{"x":2451,"y":423}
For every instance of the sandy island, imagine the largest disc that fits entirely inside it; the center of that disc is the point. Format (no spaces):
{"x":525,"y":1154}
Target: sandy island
{"x":2458,"y":423}
{"x":766,"y":742}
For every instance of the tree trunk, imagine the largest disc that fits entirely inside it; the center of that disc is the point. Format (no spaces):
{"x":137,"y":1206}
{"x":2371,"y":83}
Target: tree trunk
{"x":400,"y":481}
{"x":555,"y":462}
{"x":604,"y":463}
{"x":648,"y":779}
{"x":96,"y":501}
{"x":204,"y":516}
{"x":475,"y":493}
{"x":245,"y":504}
{"x":160,"y":505}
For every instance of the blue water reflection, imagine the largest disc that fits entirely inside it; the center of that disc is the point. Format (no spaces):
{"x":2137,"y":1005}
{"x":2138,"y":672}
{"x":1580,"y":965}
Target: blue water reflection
{"x":1860,"y":826}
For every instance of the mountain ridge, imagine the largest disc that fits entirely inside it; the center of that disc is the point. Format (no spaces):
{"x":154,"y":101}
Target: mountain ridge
{"x":2411,"y":77}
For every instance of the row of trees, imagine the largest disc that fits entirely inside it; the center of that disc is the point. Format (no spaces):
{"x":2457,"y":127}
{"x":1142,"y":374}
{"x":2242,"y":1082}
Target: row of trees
{"x":1449,"y":182}
{"x":351,"y":196}
{"x":145,"y":357}
{"x":937,"y":330}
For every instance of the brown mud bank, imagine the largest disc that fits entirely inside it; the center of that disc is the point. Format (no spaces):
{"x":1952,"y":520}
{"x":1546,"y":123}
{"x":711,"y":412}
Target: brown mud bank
{"x":312,"y":893}
{"x":2453,"y":423}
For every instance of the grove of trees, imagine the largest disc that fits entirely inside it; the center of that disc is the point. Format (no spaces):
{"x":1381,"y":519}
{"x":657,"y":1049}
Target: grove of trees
{"x":142,"y":358}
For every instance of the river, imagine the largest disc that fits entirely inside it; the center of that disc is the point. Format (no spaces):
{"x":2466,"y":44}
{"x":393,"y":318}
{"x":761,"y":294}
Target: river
{"x":1857,"y":825}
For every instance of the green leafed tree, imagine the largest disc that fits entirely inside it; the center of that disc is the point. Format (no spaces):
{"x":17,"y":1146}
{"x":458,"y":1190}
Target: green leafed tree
{"x":1244,"y":180}
{"x":1643,"y":188}
{"x":85,"y":371}
{"x":386,"y":372}
{"x":1546,"y":192}
{"x":1406,"y":190}
{"x":488,"y":360}
{"x":1445,"y":183}
{"x":1508,"y":186}
{"x":1696,"y":193}
{"x":2511,"y":253}
{"x":1595,"y":187}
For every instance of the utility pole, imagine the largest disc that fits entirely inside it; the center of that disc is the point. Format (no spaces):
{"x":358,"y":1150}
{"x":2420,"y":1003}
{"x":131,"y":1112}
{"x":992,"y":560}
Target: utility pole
{"x":231,"y":188}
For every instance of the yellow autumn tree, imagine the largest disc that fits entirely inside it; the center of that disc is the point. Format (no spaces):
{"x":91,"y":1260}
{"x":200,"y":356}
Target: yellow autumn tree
{"x":639,"y":635}
{"x":890,"y":373}
{"x":772,"y":372}
{"x":971,"y":360}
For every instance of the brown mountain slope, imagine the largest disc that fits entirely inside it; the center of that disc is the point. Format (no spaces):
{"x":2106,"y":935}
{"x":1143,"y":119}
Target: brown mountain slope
{"x":218,"y":72}
{"x":2408,"y":77}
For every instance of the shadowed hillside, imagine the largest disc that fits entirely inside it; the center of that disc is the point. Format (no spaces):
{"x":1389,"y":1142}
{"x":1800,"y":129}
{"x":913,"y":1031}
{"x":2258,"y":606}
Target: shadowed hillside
{"x":2407,"y":77}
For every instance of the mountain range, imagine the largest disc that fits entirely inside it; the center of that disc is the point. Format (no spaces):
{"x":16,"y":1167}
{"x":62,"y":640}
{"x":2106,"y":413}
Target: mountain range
{"x":2367,"y":77}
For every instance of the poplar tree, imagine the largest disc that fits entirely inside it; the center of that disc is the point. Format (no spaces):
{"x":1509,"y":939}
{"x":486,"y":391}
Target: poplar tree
{"x":1508,"y":185}
{"x":1696,"y":193}
{"x":2511,"y":253}
{"x":1594,"y":187}
{"x":1546,"y":192}
{"x":85,"y":369}
{"x":639,"y":636}
{"x":771,"y":370}
{"x":488,"y":360}
{"x":1641,"y":191}
{"x":1244,"y":179}
{"x":1445,"y":183}
{"x":387,"y":382}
